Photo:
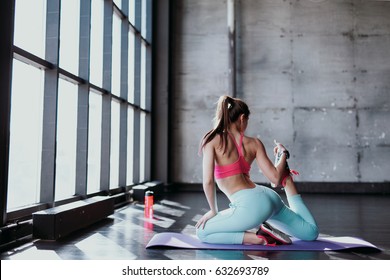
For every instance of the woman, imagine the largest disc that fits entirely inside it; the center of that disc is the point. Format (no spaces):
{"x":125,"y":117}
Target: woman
{"x":227,"y":158}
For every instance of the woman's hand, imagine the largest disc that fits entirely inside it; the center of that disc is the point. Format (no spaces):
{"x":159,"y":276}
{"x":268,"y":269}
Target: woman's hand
{"x":278,"y":148}
{"x":205,"y":218}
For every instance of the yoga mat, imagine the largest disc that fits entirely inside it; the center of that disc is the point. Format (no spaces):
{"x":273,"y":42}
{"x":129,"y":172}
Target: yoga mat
{"x":182,"y":241}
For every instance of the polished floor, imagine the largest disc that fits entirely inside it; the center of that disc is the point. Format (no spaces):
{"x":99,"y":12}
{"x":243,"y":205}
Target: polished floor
{"x":123,"y":235}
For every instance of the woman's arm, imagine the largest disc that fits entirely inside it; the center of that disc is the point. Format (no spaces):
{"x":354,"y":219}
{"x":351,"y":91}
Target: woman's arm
{"x":209,"y":184}
{"x":273,"y":173}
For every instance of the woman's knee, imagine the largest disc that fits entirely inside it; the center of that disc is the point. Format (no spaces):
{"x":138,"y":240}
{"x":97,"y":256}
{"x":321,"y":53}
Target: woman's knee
{"x":201,"y":234}
{"x":311,"y":234}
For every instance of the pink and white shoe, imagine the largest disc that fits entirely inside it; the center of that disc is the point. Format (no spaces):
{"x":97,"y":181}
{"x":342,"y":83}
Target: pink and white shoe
{"x":280,"y":238}
{"x":267,"y":240}
{"x":288,"y":172}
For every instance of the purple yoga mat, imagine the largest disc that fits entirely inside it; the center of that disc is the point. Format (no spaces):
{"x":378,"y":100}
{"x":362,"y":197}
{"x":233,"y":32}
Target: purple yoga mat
{"x":182,"y":241}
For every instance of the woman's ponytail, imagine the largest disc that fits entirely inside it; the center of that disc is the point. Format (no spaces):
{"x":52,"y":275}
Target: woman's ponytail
{"x":228,"y":111}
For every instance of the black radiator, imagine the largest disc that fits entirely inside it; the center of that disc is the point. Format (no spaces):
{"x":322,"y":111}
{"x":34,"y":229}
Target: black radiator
{"x":57,"y":222}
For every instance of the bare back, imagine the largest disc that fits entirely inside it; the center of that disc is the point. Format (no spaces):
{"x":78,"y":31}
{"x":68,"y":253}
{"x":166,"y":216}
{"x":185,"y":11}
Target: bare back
{"x":232,"y":184}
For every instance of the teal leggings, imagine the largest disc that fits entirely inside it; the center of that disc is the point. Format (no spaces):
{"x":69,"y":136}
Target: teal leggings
{"x":249,"y":208}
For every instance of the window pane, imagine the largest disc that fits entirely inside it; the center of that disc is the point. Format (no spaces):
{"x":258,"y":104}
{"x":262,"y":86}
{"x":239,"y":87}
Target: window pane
{"x":30,"y":27}
{"x":143,"y":76}
{"x":143,"y":19}
{"x":130,"y":146}
{"x":130,"y":94}
{"x":94,"y":142}
{"x":96,"y":44}
{"x":132,"y":11}
{"x":116,"y":55}
{"x":114,"y":144}
{"x":142,"y":152}
{"x":25,"y":135}
{"x":118,"y":3}
{"x":66,"y":140}
{"x":69,"y":35}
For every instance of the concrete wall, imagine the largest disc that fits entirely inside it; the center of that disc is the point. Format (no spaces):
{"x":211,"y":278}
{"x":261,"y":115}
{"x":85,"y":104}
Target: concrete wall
{"x":316,"y":74}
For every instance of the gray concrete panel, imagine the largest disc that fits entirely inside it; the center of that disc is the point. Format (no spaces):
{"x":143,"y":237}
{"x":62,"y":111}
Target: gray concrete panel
{"x":316,"y":162}
{"x":323,"y":74}
{"x":264,"y":18}
{"x":325,"y":145}
{"x":272,"y":124}
{"x":263,"y":91}
{"x":373,"y":72}
{"x":327,"y":127}
{"x":373,"y":90}
{"x":374,"y":128}
{"x":322,"y":18}
{"x":265,"y":55}
{"x":202,"y":17}
{"x":374,"y":164}
{"x":372,"y":17}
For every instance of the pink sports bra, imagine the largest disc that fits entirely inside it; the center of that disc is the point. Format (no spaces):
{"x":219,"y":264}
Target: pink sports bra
{"x":240,"y":166}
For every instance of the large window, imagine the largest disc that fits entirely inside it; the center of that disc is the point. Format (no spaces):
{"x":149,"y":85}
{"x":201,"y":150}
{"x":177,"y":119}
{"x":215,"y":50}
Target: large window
{"x":69,"y":35}
{"x":30,"y":34}
{"x":94,"y":142}
{"x":143,"y":76}
{"x":142,"y":150}
{"x":130,"y":70}
{"x":96,"y":39}
{"x":66,"y":140}
{"x":116,"y":55}
{"x":26,"y":135}
{"x":114,"y":144}
{"x":80,"y":100}
{"x":130,"y":146}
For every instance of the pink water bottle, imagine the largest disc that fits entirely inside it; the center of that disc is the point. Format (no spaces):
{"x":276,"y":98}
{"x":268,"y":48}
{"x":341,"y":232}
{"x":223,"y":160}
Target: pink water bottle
{"x":149,"y":204}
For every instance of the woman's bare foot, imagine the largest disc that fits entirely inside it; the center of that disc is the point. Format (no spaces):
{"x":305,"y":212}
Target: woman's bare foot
{"x":252,"y":239}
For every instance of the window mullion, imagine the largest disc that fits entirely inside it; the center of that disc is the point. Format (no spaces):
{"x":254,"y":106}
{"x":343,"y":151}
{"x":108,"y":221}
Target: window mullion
{"x":137,"y":94}
{"x":50,"y":104}
{"x":123,"y":94}
{"x":6,"y":35}
{"x":83,"y":100}
{"x":106,"y":99}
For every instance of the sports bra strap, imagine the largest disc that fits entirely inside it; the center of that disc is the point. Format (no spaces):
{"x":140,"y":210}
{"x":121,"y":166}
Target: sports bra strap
{"x":238,"y":146}
{"x":240,"y":166}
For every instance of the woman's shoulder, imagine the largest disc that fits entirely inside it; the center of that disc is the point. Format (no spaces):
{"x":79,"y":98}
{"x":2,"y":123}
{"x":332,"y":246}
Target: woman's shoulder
{"x":213,"y":142}
{"x":252,"y":140}
{"x":253,"y":144}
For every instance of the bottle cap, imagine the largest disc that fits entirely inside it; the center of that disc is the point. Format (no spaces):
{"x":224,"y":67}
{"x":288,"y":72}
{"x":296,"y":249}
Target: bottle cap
{"x":149,"y":193}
